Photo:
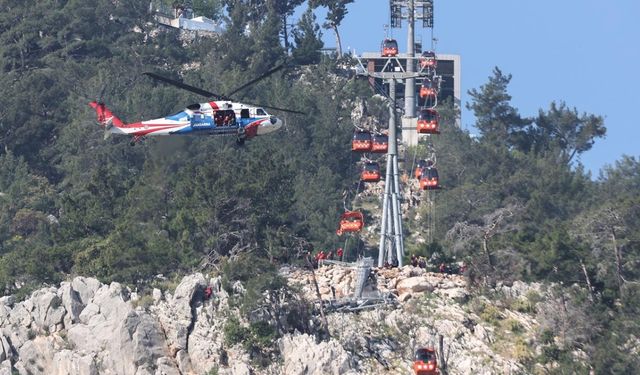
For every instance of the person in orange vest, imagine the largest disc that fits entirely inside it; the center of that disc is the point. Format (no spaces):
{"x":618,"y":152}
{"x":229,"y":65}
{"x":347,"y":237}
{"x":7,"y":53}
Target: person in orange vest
{"x":442,"y":268}
{"x":340,"y":252}
{"x":208,"y":291}
{"x":321,"y":255}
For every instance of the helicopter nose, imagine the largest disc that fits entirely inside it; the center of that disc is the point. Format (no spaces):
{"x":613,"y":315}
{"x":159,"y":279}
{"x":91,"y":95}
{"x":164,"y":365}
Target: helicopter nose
{"x":272,"y":125}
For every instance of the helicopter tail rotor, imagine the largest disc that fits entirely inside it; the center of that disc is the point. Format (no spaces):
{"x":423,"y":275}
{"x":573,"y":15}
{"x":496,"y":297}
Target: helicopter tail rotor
{"x":106,"y":118}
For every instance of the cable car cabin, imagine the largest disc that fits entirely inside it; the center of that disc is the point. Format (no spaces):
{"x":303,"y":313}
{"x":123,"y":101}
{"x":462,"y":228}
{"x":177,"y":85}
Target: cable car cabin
{"x":370,"y":172}
{"x":350,"y":221}
{"x":417,"y":173}
{"x":380,"y":143}
{"x":362,"y":141}
{"x":428,"y":121}
{"x":427,"y":89}
{"x":425,"y":362}
{"x":429,"y":179}
{"x":389,"y":48}
{"x":428,"y":60}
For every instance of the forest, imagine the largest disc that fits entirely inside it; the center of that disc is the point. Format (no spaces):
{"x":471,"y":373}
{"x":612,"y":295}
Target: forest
{"x":517,"y":203}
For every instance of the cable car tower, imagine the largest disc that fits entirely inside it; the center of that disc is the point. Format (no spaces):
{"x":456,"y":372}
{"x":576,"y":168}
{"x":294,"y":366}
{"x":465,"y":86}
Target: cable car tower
{"x":391,"y":247}
{"x":415,"y":9}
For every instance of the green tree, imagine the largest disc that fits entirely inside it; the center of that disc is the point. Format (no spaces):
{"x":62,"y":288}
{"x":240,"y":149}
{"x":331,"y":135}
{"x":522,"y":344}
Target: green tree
{"x":564,"y":133}
{"x":308,"y":40}
{"x":337,"y":10}
{"x":496,"y":119}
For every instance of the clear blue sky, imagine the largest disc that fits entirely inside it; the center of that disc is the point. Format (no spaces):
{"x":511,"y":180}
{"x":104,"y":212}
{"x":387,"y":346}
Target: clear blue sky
{"x":583,"y":52}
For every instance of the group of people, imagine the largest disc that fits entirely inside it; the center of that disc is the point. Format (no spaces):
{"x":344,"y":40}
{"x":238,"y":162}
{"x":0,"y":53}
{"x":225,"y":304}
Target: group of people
{"x":321,"y":255}
{"x":418,"y":261}
{"x":421,"y":262}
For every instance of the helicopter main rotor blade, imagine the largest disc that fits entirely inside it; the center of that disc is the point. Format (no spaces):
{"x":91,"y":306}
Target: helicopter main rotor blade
{"x":265,"y":75}
{"x":210,"y":94}
{"x":184,"y":86}
{"x":281,"y":109}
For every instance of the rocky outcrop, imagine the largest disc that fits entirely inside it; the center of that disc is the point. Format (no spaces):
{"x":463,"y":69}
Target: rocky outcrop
{"x":85,"y":327}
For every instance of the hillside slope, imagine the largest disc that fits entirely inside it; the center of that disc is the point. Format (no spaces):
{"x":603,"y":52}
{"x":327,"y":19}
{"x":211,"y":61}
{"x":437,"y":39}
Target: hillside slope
{"x":86,"y":327}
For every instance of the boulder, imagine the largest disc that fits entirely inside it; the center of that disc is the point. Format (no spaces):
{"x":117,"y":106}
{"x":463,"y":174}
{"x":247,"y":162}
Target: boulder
{"x":88,"y":312}
{"x":67,"y":362}
{"x":71,"y":302}
{"x":86,"y":288}
{"x":112,"y":301}
{"x":8,"y":301}
{"x":37,"y":356}
{"x":157,"y":295}
{"x":48,"y":310}
{"x":6,"y":368}
{"x":166,"y":366}
{"x":413,"y":285}
{"x":6,"y":351}
{"x":175,"y":314}
{"x":303,"y":356}
{"x":20,"y":315}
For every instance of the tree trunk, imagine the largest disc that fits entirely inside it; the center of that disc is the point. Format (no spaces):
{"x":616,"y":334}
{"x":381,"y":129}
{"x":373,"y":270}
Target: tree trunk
{"x":315,"y":283}
{"x":443,"y":360}
{"x":285,"y":33}
{"x":586,"y":277}
{"x":618,"y":255}
{"x":485,"y":247}
{"x":338,"y":43}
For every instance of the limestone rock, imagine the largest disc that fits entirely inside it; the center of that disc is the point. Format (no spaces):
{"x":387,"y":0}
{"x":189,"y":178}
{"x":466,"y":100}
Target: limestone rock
{"x":303,"y":356}
{"x":48,"y":309}
{"x":414,"y":284}
{"x":73,"y":363}
{"x":157,"y":295}
{"x":37,"y":356}
{"x":6,"y":368}
{"x":71,"y":302}
{"x":176,"y":316}
{"x":86,"y":288}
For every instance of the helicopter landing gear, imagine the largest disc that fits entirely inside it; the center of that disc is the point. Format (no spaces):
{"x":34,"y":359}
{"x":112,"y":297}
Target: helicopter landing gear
{"x":136,"y":139}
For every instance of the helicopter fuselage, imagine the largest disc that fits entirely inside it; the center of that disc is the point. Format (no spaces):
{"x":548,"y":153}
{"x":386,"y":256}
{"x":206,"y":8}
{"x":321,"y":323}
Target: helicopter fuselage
{"x":209,"y":118}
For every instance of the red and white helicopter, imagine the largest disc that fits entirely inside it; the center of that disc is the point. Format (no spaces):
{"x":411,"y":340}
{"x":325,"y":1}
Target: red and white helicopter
{"x":222,"y":116}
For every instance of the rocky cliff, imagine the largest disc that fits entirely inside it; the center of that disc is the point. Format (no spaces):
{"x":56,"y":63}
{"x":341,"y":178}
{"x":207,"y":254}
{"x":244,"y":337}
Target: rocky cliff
{"x":85,"y":327}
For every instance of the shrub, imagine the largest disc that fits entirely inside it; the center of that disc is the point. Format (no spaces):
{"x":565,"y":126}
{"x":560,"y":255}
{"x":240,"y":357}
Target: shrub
{"x":491,"y":314}
{"x":234,"y":333}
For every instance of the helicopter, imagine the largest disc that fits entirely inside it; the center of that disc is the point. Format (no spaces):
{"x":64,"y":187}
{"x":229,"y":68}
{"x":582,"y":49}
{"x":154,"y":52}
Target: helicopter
{"x":222,"y":116}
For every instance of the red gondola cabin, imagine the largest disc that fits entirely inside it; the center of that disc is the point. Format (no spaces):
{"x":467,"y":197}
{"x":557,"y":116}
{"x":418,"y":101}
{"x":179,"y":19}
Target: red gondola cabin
{"x":362,"y":141}
{"x":370,"y":172}
{"x":427,"y":89}
{"x":350,"y":221}
{"x":425,"y":362}
{"x":389,"y":48}
{"x":380,"y":143}
{"x":428,"y":121}
{"x":429,"y":179}
{"x":428,"y":60}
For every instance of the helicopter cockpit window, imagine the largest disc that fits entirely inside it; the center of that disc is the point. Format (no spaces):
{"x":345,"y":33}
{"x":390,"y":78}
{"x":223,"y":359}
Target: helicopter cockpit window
{"x":244,"y":113}
{"x":260,"y":112}
{"x":194,"y":107}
